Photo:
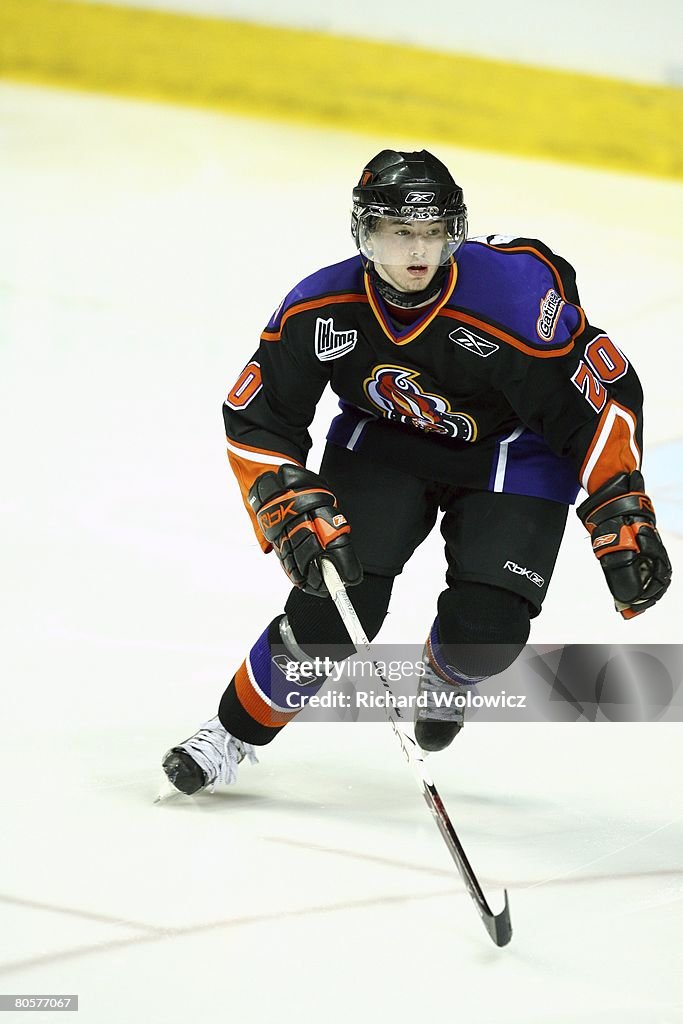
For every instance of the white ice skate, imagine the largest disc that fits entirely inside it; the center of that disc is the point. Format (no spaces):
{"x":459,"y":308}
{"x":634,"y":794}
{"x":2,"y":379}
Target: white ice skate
{"x":439,"y":722}
{"x":207,"y":759}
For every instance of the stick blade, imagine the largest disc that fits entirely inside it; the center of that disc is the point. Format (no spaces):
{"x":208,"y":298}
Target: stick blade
{"x":499,"y":926}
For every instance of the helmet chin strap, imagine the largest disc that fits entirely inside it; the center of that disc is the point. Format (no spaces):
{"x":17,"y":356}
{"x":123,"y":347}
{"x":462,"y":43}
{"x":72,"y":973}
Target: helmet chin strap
{"x":408,"y":299}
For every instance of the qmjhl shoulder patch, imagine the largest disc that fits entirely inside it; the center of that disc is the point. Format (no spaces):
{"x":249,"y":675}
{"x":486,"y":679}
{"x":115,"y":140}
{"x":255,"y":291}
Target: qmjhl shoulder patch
{"x":330,"y":344}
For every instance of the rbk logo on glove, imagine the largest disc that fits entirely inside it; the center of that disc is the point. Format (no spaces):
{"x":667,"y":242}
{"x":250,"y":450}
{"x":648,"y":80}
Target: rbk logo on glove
{"x":274,"y":516}
{"x":298,"y":515}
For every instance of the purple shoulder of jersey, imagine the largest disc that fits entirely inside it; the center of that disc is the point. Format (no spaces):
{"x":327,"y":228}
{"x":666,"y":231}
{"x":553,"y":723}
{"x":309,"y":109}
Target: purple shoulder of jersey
{"x":518,"y":287}
{"x":338,"y":279}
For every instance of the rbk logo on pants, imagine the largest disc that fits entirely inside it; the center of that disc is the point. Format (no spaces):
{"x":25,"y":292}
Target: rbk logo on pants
{"x":521,"y":570}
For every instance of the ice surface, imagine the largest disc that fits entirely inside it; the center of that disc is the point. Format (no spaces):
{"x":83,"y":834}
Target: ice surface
{"x":143,"y":249}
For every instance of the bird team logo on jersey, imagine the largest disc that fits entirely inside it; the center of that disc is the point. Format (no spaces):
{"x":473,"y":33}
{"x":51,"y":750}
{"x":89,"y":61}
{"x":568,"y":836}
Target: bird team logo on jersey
{"x":473,"y":342}
{"x":394,"y":390}
{"x":330,"y":344}
{"x":551,"y":305}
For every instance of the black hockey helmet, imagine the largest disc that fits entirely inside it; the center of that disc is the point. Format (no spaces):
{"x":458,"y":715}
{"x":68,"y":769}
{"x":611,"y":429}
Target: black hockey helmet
{"x":412,"y":187}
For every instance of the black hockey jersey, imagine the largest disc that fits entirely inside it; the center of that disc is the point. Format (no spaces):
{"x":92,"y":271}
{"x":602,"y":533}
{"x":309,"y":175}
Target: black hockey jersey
{"x":500,"y":385}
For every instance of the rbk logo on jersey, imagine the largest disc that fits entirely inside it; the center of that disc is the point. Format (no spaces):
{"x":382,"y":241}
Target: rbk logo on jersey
{"x":330,"y":344}
{"x":473,"y":342}
{"x":394,"y":390}
{"x":551,"y":306}
{"x":419,"y":197}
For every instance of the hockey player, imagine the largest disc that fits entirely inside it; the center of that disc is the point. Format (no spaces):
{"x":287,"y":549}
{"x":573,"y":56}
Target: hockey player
{"x":470,"y":383}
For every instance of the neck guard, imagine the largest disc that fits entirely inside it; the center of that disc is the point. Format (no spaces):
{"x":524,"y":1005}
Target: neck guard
{"x":408,"y":299}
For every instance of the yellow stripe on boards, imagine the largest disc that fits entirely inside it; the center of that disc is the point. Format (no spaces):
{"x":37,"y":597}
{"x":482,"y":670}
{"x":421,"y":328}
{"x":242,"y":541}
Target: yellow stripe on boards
{"x":381,"y":88}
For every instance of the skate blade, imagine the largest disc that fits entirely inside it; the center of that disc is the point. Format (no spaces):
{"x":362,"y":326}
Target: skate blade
{"x":166,"y":791}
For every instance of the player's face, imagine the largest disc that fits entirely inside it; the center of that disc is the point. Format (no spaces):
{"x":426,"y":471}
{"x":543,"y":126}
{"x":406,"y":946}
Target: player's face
{"x":408,"y":253}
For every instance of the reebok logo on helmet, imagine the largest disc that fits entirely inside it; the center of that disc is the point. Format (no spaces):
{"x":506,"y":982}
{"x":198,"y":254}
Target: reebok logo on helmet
{"x":419,"y":197}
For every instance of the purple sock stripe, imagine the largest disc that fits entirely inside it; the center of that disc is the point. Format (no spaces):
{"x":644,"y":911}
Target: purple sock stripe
{"x":437,"y":658}
{"x":269,"y":675}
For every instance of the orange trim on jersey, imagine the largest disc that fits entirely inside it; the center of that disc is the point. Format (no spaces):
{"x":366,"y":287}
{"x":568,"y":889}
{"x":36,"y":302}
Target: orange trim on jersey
{"x":515,"y":342}
{"x":246,"y":471}
{"x":262,"y":451}
{"x":422,"y":324}
{"x":301,"y":307}
{"x":254,"y":704}
{"x":615,"y":450}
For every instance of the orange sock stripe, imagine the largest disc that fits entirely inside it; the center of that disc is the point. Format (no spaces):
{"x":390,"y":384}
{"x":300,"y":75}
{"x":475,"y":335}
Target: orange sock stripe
{"x":254,"y":704}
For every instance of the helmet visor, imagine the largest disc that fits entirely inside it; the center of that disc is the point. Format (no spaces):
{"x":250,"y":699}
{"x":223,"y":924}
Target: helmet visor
{"x":421,"y":238}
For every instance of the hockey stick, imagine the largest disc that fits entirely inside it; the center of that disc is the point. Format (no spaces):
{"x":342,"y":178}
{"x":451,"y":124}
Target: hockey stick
{"x":498,"y":926}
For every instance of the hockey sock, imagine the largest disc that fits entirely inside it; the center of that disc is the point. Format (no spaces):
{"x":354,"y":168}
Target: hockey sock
{"x":265,"y":692}
{"x":436,"y":657}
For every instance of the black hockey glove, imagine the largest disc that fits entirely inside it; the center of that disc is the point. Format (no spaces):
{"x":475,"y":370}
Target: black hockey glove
{"x":621,"y":521}
{"x":298,"y":515}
